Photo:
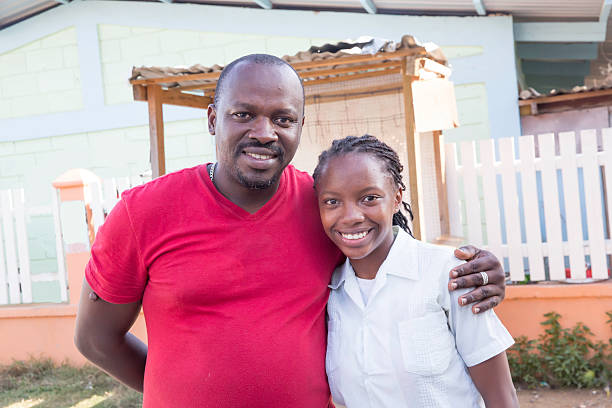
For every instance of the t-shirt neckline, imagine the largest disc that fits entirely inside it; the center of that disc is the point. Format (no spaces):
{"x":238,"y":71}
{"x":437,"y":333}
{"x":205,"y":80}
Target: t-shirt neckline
{"x":235,"y":209}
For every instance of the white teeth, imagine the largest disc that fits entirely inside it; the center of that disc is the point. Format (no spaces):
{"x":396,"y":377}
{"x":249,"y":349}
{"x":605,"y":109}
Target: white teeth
{"x":259,"y":156}
{"x":355,"y":236}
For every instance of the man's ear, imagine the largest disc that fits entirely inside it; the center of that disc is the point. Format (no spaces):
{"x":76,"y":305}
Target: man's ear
{"x":212,"y":118}
{"x":398,"y":200}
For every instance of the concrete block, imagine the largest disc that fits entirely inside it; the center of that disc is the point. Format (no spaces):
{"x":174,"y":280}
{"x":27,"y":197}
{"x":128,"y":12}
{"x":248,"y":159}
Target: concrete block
{"x":33,"y":146}
{"x":121,"y":93}
{"x":137,"y":133}
{"x":206,"y":56}
{"x":46,"y":291}
{"x":110,"y":32}
{"x":58,"y":80}
{"x":71,"y":56}
{"x":166,"y":60}
{"x":281,"y":46}
{"x":10,"y":182}
{"x":182,"y":163}
{"x":54,"y":163}
{"x":7,"y":148}
{"x":64,"y":101}
{"x":116,"y":72}
{"x":185,"y":127}
{"x":135,"y":47}
{"x":19,"y":85}
{"x":175,"y":146}
{"x":70,"y":142}
{"x":145,"y":30}
{"x":199,"y":144}
{"x":6,"y":110}
{"x":34,"y":45}
{"x":45,"y":59}
{"x":67,"y":36}
{"x":12,"y":63}
{"x":28,"y":105}
{"x":234,"y":51}
{"x":16,"y":165}
{"x":110,"y":51}
{"x":172,"y":41}
{"x":467,"y":91}
{"x":214,"y":39}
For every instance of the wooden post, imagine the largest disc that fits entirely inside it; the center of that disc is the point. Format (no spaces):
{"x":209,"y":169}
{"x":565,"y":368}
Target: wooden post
{"x":74,"y":228}
{"x":413,"y":147}
{"x":156,"y":130}
{"x":441,"y":183}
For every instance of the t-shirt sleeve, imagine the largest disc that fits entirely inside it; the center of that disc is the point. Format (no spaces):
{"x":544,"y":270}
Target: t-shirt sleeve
{"x":116,"y":271}
{"x":478,"y":337}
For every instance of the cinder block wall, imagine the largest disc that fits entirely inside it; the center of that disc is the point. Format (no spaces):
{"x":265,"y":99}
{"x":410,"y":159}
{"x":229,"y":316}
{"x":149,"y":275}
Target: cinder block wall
{"x":43,"y":77}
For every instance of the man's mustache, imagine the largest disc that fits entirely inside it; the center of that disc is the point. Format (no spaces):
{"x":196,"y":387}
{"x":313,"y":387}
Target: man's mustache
{"x":273,"y":147}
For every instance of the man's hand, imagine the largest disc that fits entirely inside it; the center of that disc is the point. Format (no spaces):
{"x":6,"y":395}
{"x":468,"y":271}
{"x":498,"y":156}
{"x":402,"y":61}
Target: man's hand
{"x":469,"y":275}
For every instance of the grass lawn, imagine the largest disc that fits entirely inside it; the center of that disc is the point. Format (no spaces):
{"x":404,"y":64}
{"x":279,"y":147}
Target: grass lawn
{"x":43,"y":384}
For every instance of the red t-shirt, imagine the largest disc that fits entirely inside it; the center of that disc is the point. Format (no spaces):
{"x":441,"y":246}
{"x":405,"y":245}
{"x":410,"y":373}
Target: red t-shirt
{"x":234,"y":302}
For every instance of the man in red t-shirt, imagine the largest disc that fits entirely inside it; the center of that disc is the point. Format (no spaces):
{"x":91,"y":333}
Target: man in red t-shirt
{"x":230,"y":264}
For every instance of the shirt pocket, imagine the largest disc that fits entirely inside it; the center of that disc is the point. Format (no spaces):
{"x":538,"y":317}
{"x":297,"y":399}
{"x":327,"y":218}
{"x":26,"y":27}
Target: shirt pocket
{"x":427,"y":344}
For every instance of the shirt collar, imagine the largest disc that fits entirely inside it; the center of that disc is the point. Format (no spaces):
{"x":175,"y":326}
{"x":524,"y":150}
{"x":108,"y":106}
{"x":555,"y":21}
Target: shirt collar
{"x":402,"y":260}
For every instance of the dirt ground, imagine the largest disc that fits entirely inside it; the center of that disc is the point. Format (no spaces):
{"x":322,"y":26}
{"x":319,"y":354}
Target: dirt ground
{"x":570,"y":398}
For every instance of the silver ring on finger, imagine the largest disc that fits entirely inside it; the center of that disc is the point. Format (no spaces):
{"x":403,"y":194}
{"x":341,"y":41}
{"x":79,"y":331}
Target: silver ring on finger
{"x":485,"y":278}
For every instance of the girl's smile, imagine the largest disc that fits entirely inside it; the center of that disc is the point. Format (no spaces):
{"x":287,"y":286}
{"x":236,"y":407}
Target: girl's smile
{"x":357,"y":200}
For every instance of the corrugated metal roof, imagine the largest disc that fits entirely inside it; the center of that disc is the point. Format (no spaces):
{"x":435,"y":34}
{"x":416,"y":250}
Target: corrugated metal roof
{"x":12,"y":11}
{"x":330,"y":51}
{"x":530,"y":93}
{"x":549,"y":9}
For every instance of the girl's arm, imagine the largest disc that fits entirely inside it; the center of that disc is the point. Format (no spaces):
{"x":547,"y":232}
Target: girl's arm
{"x":493,"y":380}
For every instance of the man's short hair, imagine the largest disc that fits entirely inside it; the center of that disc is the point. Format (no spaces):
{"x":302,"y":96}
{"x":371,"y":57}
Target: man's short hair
{"x":266,"y":59}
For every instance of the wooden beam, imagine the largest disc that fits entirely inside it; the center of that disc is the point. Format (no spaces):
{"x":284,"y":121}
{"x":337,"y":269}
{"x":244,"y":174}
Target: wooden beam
{"x":176,"y":78}
{"x":480,"y":8}
{"x":266,"y":4}
{"x":344,"y":70}
{"x":139,"y":92}
{"x":156,"y":131}
{"x":413,"y":148}
{"x":369,"y":6}
{"x":364,"y":92}
{"x":353,"y":77}
{"x":181,"y":99}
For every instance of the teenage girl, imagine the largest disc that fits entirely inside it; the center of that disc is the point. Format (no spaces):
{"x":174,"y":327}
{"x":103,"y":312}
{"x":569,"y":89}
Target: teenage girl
{"x":396,"y":336}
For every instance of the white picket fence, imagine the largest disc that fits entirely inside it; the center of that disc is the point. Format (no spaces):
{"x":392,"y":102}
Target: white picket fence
{"x":107,"y":194}
{"x":513,"y":231}
{"x":15,"y":277}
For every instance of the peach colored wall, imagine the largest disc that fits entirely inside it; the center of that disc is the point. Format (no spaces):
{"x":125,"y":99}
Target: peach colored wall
{"x":46,"y":330}
{"x":524,"y":307}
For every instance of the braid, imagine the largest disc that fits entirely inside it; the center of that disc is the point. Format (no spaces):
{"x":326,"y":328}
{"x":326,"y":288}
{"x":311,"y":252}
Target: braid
{"x":370,"y":144}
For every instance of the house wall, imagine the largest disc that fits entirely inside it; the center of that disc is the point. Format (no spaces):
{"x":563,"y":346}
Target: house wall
{"x":65,"y":100}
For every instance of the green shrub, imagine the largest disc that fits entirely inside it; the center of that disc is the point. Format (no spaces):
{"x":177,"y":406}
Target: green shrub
{"x":561,"y":357}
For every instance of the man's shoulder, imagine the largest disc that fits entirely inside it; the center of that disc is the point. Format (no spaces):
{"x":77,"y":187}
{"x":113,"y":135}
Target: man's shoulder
{"x":167,"y":187}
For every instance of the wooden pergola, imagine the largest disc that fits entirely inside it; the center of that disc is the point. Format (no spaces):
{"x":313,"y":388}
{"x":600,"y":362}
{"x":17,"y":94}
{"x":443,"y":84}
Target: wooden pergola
{"x":408,"y":63}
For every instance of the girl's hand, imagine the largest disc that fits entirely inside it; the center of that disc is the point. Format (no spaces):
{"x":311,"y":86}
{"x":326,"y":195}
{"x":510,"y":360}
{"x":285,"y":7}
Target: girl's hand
{"x":469,"y":275}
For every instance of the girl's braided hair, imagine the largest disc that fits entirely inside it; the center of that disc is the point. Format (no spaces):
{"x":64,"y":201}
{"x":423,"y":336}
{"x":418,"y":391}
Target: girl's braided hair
{"x":369,"y":144}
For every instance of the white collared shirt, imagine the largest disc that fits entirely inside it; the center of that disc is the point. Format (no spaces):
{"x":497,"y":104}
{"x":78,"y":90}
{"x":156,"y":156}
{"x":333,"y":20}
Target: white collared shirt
{"x":410,"y":346}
